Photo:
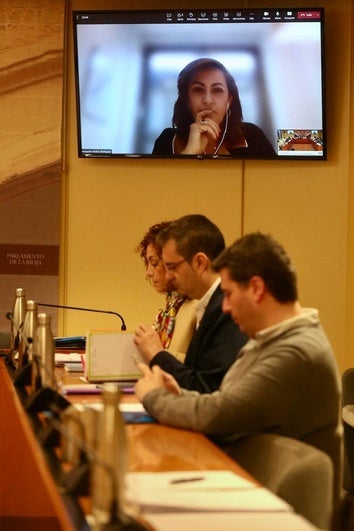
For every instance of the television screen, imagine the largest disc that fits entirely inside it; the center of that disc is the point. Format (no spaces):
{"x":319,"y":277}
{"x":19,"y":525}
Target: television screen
{"x":223,"y":83}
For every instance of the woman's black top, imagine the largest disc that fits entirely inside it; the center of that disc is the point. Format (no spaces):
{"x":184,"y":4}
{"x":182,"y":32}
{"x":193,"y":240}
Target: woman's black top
{"x":258,"y":144}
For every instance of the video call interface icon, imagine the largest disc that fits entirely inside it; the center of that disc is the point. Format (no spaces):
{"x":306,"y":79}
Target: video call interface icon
{"x":257,"y":15}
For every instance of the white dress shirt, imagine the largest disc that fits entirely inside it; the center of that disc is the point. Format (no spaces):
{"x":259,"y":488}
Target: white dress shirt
{"x":204,"y":301}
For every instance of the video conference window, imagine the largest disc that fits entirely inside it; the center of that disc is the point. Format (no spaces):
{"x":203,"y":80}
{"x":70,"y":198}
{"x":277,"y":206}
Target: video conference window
{"x":126,"y":75}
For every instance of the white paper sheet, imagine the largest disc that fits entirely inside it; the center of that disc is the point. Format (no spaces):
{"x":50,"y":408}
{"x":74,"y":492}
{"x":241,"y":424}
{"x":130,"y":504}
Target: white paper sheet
{"x":218,"y":491}
{"x":240,"y":521}
{"x":188,"y":480}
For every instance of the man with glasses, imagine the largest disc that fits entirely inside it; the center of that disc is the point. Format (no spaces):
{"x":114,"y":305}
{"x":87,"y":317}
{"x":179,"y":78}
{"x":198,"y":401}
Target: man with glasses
{"x":285,"y":379}
{"x":189,"y":245}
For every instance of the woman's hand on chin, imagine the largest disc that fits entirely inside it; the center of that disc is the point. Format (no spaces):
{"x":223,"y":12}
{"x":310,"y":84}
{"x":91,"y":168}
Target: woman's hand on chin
{"x":201,"y":131}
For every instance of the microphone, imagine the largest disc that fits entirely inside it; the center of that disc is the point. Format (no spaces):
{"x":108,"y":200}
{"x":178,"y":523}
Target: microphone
{"x":60,"y":306}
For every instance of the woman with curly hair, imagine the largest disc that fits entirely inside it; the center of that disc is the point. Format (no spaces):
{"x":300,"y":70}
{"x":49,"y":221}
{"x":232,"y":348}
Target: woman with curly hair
{"x":175,"y":322}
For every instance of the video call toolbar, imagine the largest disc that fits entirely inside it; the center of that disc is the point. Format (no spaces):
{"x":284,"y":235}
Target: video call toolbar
{"x":200,"y":16}
{"x":265,"y":15}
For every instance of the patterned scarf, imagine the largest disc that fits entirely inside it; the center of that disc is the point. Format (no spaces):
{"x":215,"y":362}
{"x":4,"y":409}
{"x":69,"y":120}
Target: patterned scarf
{"x":164,"y":322}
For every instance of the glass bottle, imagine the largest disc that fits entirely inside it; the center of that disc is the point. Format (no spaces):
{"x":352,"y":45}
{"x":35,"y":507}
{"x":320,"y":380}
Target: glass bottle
{"x":29,"y":330}
{"x":43,"y":367}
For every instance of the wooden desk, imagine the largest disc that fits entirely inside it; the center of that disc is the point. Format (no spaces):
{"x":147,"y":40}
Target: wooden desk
{"x":29,"y":497}
{"x":154,"y":447}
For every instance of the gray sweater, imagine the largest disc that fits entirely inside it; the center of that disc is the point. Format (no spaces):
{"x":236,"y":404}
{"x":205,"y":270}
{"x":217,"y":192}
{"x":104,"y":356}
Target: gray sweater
{"x":284,"y":381}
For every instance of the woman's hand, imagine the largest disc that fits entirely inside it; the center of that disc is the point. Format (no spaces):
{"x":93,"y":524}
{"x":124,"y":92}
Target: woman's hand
{"x":202,"y":131}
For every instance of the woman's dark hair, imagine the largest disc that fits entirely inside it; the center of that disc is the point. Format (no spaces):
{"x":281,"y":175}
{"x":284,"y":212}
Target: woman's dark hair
{"x":150,"y":238}
{"x":258,"y":254}
{"x":182,"y":117}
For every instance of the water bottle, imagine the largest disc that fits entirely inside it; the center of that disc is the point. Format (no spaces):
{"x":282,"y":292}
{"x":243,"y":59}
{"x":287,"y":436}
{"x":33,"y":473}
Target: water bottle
{"x":43,"y":364}
{"x":29,"y":330}
{"x":109,"y":472}
{"x":18,"y":317}
{"x":110,"y":510}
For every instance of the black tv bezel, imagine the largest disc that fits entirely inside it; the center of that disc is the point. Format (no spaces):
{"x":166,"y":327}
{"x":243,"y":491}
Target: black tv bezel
{"x":147,"y":13}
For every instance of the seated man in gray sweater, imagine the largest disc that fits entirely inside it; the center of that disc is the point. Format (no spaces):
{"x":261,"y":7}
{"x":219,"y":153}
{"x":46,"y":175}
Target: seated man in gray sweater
{"x":284,"y":380}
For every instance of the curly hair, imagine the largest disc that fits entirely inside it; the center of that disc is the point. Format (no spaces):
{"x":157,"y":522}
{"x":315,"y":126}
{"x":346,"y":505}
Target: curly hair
{"x":150,"y":238}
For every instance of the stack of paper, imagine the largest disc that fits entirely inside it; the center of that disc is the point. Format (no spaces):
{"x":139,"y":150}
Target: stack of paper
{"x":72,"y":357}
{"x":132,"y":412}
{"x":72,"y":362}
{"x":200,"y":491}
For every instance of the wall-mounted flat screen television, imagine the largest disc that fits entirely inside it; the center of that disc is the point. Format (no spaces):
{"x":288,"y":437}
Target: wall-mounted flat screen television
{"x":223,"y":83}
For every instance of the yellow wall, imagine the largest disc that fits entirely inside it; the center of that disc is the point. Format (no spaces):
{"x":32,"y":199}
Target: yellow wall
{"x":108,"y":204}
{"x":349,"y":335}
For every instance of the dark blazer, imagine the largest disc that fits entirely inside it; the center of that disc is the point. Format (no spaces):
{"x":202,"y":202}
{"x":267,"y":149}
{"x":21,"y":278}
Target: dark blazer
{"x":212,"y":350}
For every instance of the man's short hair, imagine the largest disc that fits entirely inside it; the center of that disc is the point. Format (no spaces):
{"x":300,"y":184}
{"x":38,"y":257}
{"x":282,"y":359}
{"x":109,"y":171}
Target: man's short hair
{"x":194,"y":233}
{"x":258,"y":254}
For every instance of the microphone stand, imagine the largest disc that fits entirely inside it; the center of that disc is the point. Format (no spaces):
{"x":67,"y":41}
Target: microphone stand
{"x":76,"y":482}
{"x":60,"y":306}
{"x":46,"y":398}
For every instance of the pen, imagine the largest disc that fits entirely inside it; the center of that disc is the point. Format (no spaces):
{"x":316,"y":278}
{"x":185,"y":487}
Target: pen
{"x":185,"y":480}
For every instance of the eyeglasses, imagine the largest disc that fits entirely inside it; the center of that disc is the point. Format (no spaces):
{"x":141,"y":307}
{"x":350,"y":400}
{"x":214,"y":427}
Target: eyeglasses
{"x":172,"y":266}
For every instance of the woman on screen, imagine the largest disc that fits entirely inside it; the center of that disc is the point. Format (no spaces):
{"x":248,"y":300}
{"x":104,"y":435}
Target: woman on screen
{"x":207,"y":117}
{"x":175,"y":322}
